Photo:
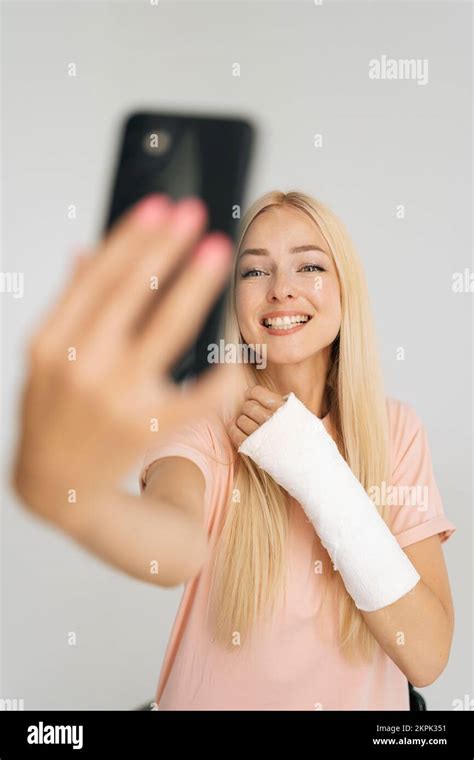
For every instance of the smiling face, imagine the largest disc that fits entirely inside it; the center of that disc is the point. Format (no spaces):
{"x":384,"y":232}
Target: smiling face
{"x":286,"y":271}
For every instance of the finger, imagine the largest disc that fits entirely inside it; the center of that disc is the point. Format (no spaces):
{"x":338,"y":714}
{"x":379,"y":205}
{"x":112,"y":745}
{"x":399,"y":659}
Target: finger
{"x":79,"y":264}
{"x":256,"y":411}
{"x":186,"y":304}
{"x":247,"y":425}
{"x":142,"y":216}
{"x":132,"y":235}
{"x":128,"y":306}
{"x":236,"y":435}
{"x":159,"y":228}
{"x":204,"y":396}
{"x":267,"y":398}
{"x":81,"y":257}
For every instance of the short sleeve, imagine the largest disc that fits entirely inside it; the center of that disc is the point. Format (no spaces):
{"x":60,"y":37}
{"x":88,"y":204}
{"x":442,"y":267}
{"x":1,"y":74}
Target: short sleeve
{"x":204,"y":442}
{"x":415,"y":505}
{"x":191,"y":441}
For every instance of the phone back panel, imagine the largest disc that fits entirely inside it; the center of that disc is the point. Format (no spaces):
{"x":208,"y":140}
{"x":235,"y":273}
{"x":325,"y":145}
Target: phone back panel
{"x":183,"y":155}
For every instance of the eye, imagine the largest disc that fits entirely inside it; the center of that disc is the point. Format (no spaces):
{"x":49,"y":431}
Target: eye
{"x":249,"y":272}
{"x":316,"y":266}
{"x":256,"y":272}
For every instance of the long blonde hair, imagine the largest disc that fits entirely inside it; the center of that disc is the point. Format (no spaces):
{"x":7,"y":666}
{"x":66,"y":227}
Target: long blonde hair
{"x":249,"y":567}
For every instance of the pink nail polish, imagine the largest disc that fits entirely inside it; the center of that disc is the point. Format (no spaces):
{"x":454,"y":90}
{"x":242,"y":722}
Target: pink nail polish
{"x":152,"y":209}
{"x":188,"y":214}
{"x":214,"y":251}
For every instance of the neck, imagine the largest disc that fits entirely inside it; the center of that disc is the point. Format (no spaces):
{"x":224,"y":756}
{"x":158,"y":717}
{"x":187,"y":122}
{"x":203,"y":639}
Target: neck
{"x":306,"y":379}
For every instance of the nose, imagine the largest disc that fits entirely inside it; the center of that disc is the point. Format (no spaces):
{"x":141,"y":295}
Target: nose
{"x":280,"y":287}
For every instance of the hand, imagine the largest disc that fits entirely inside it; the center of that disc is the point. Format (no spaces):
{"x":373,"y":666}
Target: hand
{"x":99,"y":365}
{"x":258,"y":407}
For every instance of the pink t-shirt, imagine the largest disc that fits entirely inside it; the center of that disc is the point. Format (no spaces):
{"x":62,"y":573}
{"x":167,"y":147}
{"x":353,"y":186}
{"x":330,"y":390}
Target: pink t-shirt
{"x":295,"y":663}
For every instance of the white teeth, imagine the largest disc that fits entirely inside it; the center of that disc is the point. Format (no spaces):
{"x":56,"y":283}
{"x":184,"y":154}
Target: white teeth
{"x":285,"y":323}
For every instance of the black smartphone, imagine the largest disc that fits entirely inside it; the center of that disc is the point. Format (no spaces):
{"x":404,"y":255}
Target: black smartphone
{"x":182,"y":155}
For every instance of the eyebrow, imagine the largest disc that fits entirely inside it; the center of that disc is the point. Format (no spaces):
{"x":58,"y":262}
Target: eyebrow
{"x":296,"y":249}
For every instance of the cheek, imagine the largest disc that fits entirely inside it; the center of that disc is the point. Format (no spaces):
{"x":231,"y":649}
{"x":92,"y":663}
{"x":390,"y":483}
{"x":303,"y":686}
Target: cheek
{"x":327,"y":299}
{"x":326,"y":291}
{"x":245,"y":304}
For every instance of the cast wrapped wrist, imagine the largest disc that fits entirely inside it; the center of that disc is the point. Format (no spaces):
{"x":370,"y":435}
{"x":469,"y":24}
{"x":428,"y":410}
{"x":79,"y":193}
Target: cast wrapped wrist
{"x":294,"y":447}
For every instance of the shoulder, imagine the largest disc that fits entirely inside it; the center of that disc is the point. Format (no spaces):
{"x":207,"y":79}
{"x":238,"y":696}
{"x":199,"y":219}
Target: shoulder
{"x":206,"y":431}
{"x":202,"y":439}
{"x":416,"y":506}
{"x":209,"y":434}
{"x":402,"y":415}
{"x":403,"y":420}
{"x":216,"y":428}
{"x":407,"y":434}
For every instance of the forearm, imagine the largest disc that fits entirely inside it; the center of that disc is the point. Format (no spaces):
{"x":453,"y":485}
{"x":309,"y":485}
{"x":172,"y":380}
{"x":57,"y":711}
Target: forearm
{"x":143,"y":536}
{"x":405,"y":615}
{"x":415,"y":632}
{"x":296,"y":450}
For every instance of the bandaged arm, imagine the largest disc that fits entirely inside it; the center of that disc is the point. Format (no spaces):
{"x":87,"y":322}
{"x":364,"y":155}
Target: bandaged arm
{"x":294,"y":447}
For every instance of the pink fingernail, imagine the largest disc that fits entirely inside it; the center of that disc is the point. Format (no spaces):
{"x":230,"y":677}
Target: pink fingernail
{"x":152,"y":209}
{"x":188,"y":214}
{"x":215,"y":250}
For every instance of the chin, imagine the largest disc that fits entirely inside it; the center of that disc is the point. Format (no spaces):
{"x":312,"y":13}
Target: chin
{"x":288,"y":356}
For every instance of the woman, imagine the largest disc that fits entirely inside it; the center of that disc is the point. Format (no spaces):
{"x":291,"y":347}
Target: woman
{"x":208,"y":515}
{"x":235,"y":644}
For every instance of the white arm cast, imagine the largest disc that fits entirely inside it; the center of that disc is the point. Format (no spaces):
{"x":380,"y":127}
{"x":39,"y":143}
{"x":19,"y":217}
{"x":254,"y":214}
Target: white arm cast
{"x":294,"y":447}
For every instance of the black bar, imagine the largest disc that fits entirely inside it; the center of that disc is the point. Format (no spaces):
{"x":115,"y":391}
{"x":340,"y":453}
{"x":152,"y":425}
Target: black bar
{"x":139,"y":733}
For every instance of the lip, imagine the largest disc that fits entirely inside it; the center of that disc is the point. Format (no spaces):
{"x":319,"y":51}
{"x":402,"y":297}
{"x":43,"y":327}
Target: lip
{"x":285,"y":313}
{"x":279,"y":330}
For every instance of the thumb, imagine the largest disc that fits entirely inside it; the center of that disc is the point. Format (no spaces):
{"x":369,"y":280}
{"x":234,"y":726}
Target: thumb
{"x":217,"y":388}
{"x":220,"y":383}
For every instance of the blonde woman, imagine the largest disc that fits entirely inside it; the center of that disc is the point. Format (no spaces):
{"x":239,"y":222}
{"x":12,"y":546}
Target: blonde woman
{"x":266,"y":621}
{"x":267,"y":624}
